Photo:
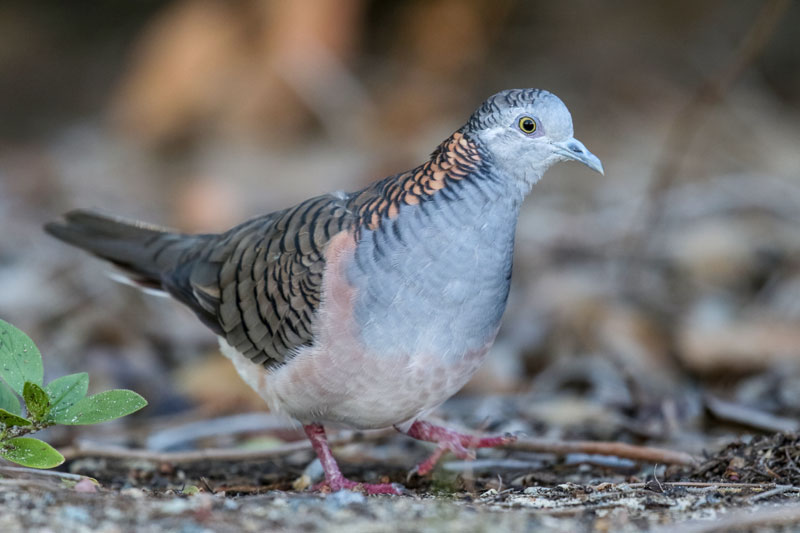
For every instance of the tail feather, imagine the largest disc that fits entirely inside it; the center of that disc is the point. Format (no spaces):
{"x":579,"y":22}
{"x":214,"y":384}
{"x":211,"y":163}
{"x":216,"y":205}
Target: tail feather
{"x":145,"y":253}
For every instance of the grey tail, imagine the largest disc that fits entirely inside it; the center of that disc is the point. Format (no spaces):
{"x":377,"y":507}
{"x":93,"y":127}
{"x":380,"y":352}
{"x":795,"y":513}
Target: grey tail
{"x":146,"y":254}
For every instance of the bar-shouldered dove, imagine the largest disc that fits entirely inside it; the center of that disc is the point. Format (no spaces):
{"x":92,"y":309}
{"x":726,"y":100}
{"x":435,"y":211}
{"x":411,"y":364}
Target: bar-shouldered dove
{"x":367,"y":309}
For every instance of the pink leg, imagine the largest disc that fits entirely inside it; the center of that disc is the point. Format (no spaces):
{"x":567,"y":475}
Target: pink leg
{"x":334,"y":480}
{"x":463,"y":446}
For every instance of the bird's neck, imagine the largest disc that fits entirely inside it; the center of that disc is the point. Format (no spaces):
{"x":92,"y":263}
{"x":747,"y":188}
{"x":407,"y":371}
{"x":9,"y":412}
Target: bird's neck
{"x":459,"y":169}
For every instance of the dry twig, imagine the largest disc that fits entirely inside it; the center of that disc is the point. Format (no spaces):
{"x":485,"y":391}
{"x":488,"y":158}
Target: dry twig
{"x":780,"y":489}
{"x":748,"y":416}
{"x":617,"y":449}
{"x":86,"y":449}
{"x":707,"y":485}
{"x":17,"y":471}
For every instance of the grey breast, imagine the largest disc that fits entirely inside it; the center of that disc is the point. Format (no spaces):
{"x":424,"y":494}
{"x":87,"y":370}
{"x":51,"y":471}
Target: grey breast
{"x":435,"y":279}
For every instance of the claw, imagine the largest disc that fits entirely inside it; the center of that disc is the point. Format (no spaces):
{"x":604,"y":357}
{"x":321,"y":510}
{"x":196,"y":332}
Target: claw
{"x":414,"y":472}
{"x":461,"y":445}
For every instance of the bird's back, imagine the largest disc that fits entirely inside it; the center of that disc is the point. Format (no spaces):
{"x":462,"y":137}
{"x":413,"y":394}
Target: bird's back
{"x":422,"y":239}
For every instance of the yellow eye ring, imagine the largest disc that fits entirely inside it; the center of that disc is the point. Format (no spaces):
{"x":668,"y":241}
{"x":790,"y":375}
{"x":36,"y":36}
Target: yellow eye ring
{"x":527,"y":124}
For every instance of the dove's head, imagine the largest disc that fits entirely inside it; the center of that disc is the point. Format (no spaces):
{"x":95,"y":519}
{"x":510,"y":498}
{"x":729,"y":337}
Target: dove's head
{"x":525,"y":131}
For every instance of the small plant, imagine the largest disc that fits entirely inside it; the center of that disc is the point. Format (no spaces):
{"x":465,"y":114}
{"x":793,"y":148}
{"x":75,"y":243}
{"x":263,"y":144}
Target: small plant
{"x":62,"y":401}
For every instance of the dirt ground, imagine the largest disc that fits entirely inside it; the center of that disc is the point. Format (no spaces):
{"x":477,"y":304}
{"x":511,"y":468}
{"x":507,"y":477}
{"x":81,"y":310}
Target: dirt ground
{"x":752,"y":486}
{"x":613,"y":509}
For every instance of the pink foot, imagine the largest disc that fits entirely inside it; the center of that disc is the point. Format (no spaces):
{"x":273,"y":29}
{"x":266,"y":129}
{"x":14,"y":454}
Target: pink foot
{"x":334,"y":480}
{"x":461,"y":445}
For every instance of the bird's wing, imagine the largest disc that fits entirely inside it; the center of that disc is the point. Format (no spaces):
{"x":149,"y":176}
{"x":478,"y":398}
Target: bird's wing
{"x":258,"y":285}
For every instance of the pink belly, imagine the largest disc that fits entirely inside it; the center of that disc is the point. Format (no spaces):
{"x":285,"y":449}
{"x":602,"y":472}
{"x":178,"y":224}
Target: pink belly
{"x":365,"y":390}
{"x":338,"y":380}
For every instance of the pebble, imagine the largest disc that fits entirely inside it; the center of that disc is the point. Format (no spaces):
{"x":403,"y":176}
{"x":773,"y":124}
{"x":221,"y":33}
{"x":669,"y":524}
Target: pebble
{"x":344,"y":498}
{"x":85,"y":485}
{"x":75,"y":514}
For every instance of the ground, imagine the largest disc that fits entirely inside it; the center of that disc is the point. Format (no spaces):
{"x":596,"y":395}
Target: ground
{"x":752,"y":485}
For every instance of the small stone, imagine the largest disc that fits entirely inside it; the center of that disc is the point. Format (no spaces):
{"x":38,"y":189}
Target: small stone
{"x":86,"y":485}
{"x":75,"y":514}
{"x":176,"y":506}
{"x":230,"y":505}
{"x":133,"y":492}
{"x":344,"y":498}
{"x":301,"y":483}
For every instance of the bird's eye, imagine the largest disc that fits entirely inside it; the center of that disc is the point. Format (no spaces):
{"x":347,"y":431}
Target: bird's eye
{"x":527,"y":124}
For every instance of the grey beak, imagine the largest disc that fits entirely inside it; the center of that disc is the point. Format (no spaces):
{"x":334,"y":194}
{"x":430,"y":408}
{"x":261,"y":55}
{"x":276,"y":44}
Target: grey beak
{"x":574,"y":149}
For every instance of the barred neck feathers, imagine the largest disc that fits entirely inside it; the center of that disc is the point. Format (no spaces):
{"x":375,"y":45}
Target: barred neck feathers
{"x":457,"y":162}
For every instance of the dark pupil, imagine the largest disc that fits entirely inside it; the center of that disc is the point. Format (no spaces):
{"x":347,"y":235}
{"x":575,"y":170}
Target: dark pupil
{"x":527,"y":125}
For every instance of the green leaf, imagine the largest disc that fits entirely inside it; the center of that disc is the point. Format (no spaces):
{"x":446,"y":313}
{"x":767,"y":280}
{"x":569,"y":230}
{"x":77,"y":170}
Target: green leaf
{"x":66,"y":391}
{"x":36,"y":400}
{"x":33,"y":453}
{"x":9,"y":400}
{"x":20,"y":360}
{"x":101,"y":407}
{"x":10,"y":419}
{"x":190,"y":490}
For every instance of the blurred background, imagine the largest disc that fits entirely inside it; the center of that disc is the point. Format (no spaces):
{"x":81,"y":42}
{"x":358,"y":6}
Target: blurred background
{"x":658,"y":303}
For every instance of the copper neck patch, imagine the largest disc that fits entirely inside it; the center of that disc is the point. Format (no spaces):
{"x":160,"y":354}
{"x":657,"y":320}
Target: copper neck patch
{"x":454,"y":159}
